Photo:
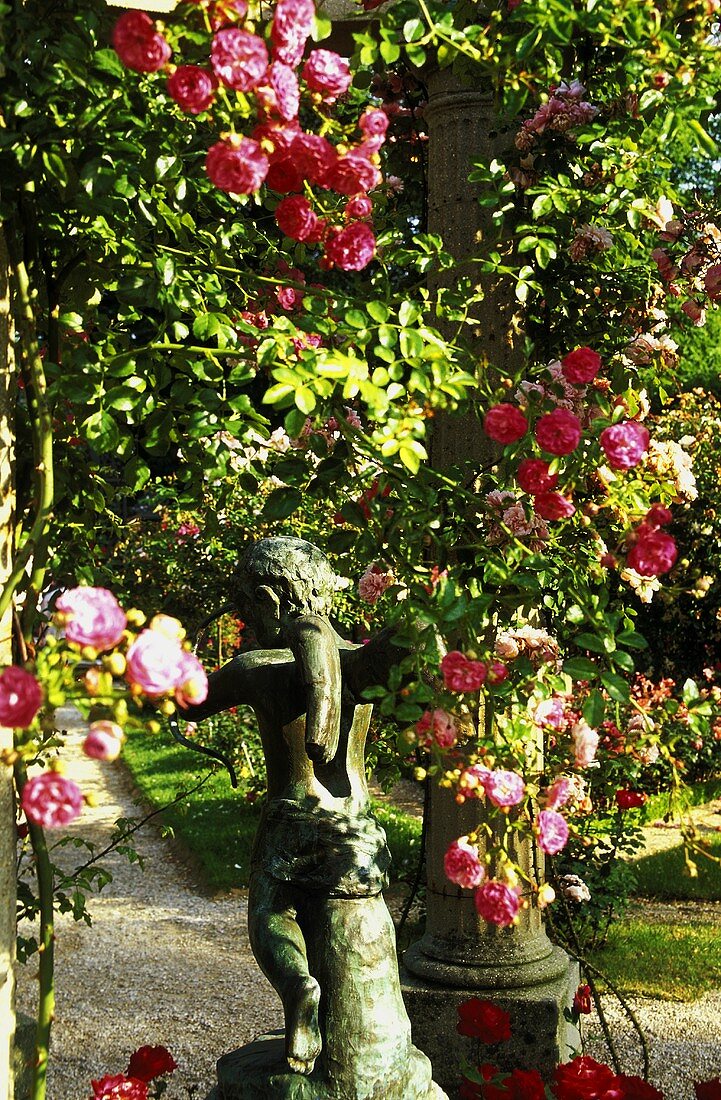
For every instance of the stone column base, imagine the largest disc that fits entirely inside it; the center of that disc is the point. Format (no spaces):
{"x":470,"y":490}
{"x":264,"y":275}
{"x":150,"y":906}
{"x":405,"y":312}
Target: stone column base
{"x":259,"y":1071}
{"x":541,"y":1035}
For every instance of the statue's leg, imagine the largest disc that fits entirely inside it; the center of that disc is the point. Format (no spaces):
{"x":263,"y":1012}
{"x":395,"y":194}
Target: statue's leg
{"x":279,"y":948}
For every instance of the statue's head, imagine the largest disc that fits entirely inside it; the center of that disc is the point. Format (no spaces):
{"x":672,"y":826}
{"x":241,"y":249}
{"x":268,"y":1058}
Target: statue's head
{"x":277,"y":580}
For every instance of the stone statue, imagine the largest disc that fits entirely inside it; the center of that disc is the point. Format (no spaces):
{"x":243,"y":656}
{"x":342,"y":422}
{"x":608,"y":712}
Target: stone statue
{"x":318,"y":924}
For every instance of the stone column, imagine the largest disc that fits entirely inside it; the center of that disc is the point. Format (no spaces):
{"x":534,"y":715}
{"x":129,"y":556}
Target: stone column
{"x":460,"y":956}
{"x":7,"y":807}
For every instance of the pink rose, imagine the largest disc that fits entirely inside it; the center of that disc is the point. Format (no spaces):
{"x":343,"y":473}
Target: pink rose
{"x":655,"y":553}
{"x":290,"y":29}
{"x":104,"y":740}
{"x":286,"y":93}
{"x":138,"y":44}
{"x":314,"y":156}
{"x":504,"y":788}
{"x":558,"y":432}
{"x":155,"y":663}
{"x":94,"y":617}
{"x":297,"y":219}
{"x":551,"y":713}
{"x":497,"y":672}
{"x":192,"y":88}
{"x":585,"y":743}
{"x":553,"y":506}
{"x":533,"y":476}
{"x":327,"y":73}
{"x":460,"y":673}
{"x":352,"y":174}
{"x":462,"y":865}
{"x":581,"y":366}
{"x":51,"y":800}
{"x":192,"y":683}
{"x":119,"y":1087}
{"x":373,"y":122}
{"x":552,"y":831}
{"x":373,"y":584}
{"x":239,"y":58}
{"x":239,"y":167}
{"x":505,"y":423}
{"x":496,"y":903}
{"x":658,"y":516}
{"x":559,"y":792}
{"x":352,"y":248}
{"x":20,"y":697}
{"x":625,"y":444}
{"x":358,"y":207}
{"x":438,"y":726}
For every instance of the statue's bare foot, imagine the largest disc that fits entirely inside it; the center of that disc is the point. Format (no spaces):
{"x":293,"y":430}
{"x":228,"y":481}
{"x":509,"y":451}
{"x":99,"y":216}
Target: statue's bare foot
{"x":303,"y":1042}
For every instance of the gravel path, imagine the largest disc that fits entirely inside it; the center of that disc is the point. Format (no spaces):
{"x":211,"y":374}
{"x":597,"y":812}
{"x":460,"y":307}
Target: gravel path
{"x":165,"y":964}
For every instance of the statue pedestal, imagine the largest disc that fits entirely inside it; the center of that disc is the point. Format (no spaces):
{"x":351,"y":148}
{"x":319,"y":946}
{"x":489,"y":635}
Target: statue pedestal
{"x":367,"y":1050}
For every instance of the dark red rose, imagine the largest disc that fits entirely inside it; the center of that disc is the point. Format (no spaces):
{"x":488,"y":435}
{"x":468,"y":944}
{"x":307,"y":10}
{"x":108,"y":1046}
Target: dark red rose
{"x":147,"y":1063}
{"x":708,"y":1090}
{"x":635,"y":1088}
{"x":582,"y":1079}
{"x":582,"y":999}
{"x":628,"y":800}
{"x":483,"y":1020}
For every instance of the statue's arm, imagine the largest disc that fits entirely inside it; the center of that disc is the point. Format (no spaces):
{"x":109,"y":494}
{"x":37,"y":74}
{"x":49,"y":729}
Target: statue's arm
{"x":233,"y":685}
{"x":315,"y":648}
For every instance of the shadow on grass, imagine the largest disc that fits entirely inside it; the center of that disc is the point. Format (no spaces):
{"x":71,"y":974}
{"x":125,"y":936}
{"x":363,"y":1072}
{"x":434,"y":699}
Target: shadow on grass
{"x":664,"y":874}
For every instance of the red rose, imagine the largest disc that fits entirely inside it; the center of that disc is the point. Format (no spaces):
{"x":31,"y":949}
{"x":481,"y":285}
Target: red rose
{"x":505,"y":423}
{"x":351,"y":174}
{"x":581,"y":366}
{"x":552,"y":506}
{"x":314,"y":157}
{"x":297,"y":219}
{"x":708,"y":1090}
{"x":627,"y":800}
{"x":469,"y":1090}
{"x":582,"y":1000}
{"x":582,"y":1079}
{"x":20,"y":697}
{"x":192,"y":88}
{"x":658,"y":516}
{"x":147,"y":1063}
{"x":119,"y":1087}
{"x":460,"y":673}
{"x":352,"y":248}
{"x":327,"y":73}
{"x":238,"y":168}
{"x":358,"y":207}
{"x":526,"y":1084}
{"x":290,"y":29}
{"x":239,"y":58}
{"x":137,"y":43}
{"x":483,"y":1020}
{"x":635,"y":1088}
{"x":653,"y":554}
{"x":533,"y":476}
{"x":558,"y":432}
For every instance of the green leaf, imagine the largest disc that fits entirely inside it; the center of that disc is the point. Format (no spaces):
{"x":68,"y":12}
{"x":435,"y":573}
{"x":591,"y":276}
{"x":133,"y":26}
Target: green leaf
{"x":590,"y":641}
{"x":408,"y":313}
{"x":305,"y":400}
{"x":282,"y":503}
{"x":594,"y":709}
{"x":631,"y":639}
{"x":378,"y":311}
{"x":580,"y":668}
{"x":101,"y":432}
{"x":616,"y":687}
{"x":542,"y":204}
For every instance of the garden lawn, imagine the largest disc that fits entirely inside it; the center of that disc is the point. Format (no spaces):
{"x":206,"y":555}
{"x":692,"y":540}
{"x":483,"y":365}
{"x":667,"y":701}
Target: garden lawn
{"x":215,"y":825}
{"x":690,"y":952}
{"x":663,"y":874}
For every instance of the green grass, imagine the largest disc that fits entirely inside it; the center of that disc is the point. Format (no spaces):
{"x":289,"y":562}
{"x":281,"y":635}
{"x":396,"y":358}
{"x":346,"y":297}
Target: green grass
{"x":215,"y":825}
{"x":662,"y":875}
{"x":677,"y":961}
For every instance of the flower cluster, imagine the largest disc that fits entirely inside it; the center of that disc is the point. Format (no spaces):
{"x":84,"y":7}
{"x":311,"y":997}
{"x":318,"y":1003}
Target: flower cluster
{"x":563,"y":112}
{"x":689,"y":263}
{"x":274,"y":76}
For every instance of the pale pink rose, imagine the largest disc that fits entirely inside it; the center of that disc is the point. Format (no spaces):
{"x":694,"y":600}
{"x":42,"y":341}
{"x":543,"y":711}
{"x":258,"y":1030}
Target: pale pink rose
{"x":438,"y":726}
{"x":497,"y":903}
{"x":559,"y":792}
{"x":93,"y":617}
{"x":462,"y":865}
{"x":192,"y":684}
{"x":552,"y":832}
{"x":506,"y":646}
{"x":104,"y":740}
{"x":51,"y":801}
{"x":504,"y":788}
{"x":373,"y":584}
{"x":472,"y":781}
{"x":516,"y":520}
{"x":155,"y":663}
{"x":550,"y":712}
{"x":585,"y":743}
